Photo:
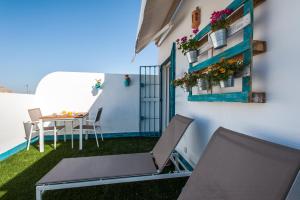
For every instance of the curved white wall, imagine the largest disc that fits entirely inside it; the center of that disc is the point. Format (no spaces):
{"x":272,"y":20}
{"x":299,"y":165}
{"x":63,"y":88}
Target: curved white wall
{"x":72,"y":91}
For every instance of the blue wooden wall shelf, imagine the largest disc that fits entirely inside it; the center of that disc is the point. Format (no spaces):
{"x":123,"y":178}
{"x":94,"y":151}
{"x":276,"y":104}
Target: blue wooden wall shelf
{"x":247,"y":49}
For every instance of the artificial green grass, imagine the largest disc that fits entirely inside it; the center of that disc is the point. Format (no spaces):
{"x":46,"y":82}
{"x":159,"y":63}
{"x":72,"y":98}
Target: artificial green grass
{"x":19,"y":173}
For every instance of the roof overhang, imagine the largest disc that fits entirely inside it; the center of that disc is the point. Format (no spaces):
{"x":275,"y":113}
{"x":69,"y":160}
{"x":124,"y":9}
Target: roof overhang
{"x":156,"y":21}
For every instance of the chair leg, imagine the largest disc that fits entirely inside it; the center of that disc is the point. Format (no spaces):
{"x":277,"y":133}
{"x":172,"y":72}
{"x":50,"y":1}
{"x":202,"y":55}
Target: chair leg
{"x":86,"y":135}
{"x":72,"y":133}
{"x":96,"y":136}
{"x":55,"y":137}
{"x":72,"y":141}
{"x":30,"y":135}
{"x":65,"y":130}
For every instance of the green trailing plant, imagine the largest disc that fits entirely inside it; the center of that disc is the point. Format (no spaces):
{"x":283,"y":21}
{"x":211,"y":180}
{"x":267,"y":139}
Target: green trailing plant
{"x":224,"y":69}
{"x":215,"y":73}
{"x":207,"y":77}
{"x":221,"y":71}
{"x":188,"y":81}
{"x":186,"y":44}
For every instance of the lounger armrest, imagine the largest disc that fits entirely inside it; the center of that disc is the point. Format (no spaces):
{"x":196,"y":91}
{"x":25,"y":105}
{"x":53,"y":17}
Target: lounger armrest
{"x":33,"y":122}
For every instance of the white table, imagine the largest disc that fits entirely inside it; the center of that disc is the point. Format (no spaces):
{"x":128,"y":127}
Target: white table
{"x":56,"y":118}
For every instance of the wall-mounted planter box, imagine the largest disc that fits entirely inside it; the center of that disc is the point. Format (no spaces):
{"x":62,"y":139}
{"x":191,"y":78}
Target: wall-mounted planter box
{"x":242,"y":97}
{"x":241,"y":20}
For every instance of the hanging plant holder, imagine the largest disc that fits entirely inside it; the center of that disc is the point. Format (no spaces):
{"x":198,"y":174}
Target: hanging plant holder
{"x":98,"y":84}
{"x":187,"y":89}
{"x":219,"y":38}
{"x":202,"y":84}
{"x":227,"y":83}
{"x":192,"y":56}
{"x":127,"y":81}
{"x":189,"y":46}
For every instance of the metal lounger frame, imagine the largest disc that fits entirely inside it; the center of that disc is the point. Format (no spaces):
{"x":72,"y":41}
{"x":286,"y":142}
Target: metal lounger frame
{"x":174,"y":158}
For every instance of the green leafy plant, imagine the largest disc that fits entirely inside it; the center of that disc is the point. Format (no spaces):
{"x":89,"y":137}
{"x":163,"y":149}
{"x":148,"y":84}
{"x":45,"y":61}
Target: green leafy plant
{"x":186,"y":44}
{"x":188,"y":81}
{"x":222,"y":70}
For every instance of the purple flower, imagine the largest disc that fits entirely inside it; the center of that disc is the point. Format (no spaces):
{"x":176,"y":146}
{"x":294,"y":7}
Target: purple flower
{"x":184,"y":39}
{"x":195,"y":31}
{"x":227,"y":11}
{"x":217,"y":16}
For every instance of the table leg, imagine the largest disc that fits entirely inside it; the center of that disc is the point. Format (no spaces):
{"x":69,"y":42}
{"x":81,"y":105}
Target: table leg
{"x":41,"y":135}
{"x":80,"y":133}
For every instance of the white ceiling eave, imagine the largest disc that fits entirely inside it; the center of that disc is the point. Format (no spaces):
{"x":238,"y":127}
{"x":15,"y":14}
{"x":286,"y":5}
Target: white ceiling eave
{"x":155,"y":22}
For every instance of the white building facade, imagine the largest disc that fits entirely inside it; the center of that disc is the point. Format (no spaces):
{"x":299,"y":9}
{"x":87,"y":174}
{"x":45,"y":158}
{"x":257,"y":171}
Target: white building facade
{"x":275,"y":72}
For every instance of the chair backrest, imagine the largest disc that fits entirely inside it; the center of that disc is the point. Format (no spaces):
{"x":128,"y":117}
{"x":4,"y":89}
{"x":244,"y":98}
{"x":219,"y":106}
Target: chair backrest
{"x":27,"y":127}
{"x":169,"y":140}
{"x":35,"y":114}
{"x":236,"y":166}
{"x":98,"y":116}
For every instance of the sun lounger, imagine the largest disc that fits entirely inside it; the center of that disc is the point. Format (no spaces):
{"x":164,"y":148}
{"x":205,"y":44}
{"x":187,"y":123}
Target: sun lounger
{"x":101,"y":170}
{"x":233,"y":167}
{"x":238,"y":167}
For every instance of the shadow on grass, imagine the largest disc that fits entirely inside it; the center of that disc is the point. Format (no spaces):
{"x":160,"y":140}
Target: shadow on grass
{"x":20,"y":173}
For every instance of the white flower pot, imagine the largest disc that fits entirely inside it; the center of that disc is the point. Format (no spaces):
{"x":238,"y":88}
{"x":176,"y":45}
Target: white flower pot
{"x":219,"y":38}
{"x":187,"y":89}
{"x":227,"y":83}
{"x":202,"y":84}
{"x":192,"y":56}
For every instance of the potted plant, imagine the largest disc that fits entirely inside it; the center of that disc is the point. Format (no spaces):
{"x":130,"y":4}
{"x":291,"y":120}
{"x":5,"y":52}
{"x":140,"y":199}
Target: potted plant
{"x":127,"y":80}
{"x":202,"y":84}
{"x":188,"y":46}
{"x":205,"y":81}
{"x":225,"y":71}
{"x":187,"y":82}
{"x":202,"y":81}
{"x":98,"y":84}
{"x":219,"y":25}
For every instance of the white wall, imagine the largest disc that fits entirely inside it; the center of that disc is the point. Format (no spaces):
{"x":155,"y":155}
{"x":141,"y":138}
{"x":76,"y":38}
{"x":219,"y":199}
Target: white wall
{"x":275,"y":72}
{"x":72,"y":91}
{"x":120,"y":104}
{"x":13,"y":113}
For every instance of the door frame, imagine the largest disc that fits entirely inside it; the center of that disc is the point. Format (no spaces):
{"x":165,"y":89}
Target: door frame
{"x":172,"y":74}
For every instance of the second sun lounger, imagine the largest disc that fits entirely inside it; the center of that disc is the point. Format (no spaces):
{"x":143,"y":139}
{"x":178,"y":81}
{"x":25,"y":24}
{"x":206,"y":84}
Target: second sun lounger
{"x":101,"y":170}
{"x":238,"y":167}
